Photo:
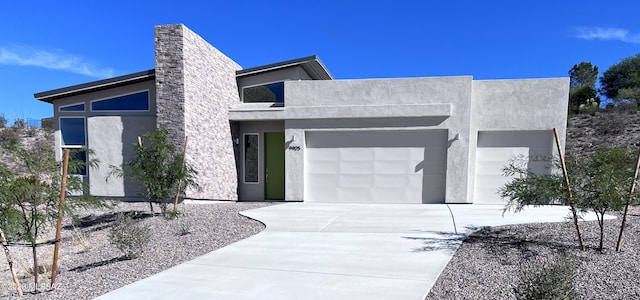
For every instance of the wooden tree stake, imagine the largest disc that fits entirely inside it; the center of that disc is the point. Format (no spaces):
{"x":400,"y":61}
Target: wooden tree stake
{"x":626,"y":206}
{"x":63,"y":193}
{"x":3,"y":241}
{"x":184,"y":156}
{"x":569,"y":194}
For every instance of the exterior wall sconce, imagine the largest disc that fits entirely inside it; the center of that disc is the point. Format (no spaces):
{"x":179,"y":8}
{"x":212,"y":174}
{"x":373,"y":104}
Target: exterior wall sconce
{"x":236,"y":140}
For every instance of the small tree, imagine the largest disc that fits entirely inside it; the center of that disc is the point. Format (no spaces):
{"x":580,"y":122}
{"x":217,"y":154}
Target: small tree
{"x":158,"y":168}
{"x":602,"y":181}
{"x":599,"y":182}
{"x":29,"y":193}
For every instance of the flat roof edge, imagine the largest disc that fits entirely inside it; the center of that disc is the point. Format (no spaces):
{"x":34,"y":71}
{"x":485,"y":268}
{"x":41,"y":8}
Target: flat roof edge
{"x":49,"y":96}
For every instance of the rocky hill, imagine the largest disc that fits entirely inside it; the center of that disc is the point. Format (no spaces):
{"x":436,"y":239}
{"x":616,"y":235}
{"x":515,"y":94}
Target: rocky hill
{"x":586,"y":132}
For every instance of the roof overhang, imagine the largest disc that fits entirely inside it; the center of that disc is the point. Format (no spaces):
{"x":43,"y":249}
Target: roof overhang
{"x":311,"y":64}
{"x":50,"y":96}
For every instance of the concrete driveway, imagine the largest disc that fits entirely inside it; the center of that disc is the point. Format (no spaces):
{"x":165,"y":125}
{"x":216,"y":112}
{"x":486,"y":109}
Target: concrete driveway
{"x":333,"y":251}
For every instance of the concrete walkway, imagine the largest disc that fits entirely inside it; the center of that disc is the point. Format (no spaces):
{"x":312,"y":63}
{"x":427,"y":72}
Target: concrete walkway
{"x":333,"y":251}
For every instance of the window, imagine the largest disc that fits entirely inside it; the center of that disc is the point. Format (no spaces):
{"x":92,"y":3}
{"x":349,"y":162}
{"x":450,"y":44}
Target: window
{"x":72,"y":131}
{"x":72,"y":108}
{"x":272,"y":92}
{"x":251,"y":158}
{"x":73,"y":137}
{"x":130,"y":102}
{"x":77,"y":161}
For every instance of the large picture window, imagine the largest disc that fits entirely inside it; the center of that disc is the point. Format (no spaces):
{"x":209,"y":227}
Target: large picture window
{"x":73,"y":137}
{"x":251,"y":152}
{"x":130,"y":102}
{"x":272,"y":92}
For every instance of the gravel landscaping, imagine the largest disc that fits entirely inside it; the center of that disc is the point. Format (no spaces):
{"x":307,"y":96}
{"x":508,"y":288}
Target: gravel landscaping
{"x":90,"y":266}
{"x":487,"y":264}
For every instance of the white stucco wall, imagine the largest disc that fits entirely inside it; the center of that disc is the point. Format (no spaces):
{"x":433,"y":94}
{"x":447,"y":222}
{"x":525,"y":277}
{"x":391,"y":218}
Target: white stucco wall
{"x":449,"y":98}
{"x":517,"y":105}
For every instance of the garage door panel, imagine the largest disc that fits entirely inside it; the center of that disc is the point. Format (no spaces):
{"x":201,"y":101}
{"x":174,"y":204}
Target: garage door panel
{"x":324,"y":180}
{"x":377,"y":166}
{"x":394,"y":181}
{"x":324,"y":167}
{"x":393,"y":154}
{"x":394,"y":167}
{"x":358,"y":181}
{"x":356,"y":167}
{"x":357,"y":154}
{"x":326,"y":154}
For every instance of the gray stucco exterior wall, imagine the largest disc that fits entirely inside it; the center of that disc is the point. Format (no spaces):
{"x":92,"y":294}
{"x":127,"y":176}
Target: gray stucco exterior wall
{"x":110,"y":134}
{"x":197,"y":87}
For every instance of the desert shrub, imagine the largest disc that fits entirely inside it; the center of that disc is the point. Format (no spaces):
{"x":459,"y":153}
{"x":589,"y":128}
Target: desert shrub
{"x":47,"y":124}
{"x":3,"y":121}
{"x":31,"y":131}
{"x":9,"y":136}
{"x":548,"y":280}
{"x":611,"y":125}
{"x":129,"y":236}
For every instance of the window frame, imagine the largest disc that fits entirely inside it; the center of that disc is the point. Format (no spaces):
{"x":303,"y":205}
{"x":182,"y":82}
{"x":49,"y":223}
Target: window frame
{"x":244,"y":159}
{"x":263,"y":84}
{"x":84,"y":107}
{"x":121,"y":95}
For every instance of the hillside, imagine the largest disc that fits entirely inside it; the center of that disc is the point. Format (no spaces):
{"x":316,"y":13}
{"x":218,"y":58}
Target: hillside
{"x":585,"y":132}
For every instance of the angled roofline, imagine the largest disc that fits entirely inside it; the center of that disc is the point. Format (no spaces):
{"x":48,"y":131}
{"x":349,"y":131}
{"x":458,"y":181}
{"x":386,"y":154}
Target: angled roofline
{"x":50,"y":96}
{"x":311,"y":64}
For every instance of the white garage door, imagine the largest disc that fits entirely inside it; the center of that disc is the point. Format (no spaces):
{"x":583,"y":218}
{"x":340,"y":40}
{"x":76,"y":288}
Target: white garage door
{"x":496,"y":148}
{"x":376,"y":166}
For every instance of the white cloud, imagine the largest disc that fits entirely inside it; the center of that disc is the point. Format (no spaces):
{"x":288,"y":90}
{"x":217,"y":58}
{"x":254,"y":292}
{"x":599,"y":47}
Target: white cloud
{"x":22,"y":55}
{"x":608,"y":33}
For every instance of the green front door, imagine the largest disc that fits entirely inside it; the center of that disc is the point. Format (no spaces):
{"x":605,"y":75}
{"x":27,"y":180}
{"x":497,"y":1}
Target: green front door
{"x":274,"y":165}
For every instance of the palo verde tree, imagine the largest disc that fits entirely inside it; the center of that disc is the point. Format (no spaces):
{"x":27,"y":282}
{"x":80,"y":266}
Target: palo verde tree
{"x":158,"y":168}
{"x":599,"y":182}
{"x":621,"y":82}
{"x":582,"y":87}
{"x":30,"y":193}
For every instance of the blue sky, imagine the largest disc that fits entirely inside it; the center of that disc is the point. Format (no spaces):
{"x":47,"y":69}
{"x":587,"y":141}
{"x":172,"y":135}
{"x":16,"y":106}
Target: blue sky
{"x":46,"y":45}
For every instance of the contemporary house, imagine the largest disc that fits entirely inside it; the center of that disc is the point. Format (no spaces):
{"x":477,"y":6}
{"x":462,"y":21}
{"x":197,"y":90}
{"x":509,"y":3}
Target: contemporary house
{"x":289,"y":131}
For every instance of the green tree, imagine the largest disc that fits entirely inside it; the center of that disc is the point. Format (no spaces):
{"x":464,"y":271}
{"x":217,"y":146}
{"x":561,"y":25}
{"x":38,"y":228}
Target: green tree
{"x":621,"y":82}
{"x":582,"y":87}
{"x":598,"y":182}
{"x":30,"y":193}
{"x":602,"y":181}
{"x":158,"y":168}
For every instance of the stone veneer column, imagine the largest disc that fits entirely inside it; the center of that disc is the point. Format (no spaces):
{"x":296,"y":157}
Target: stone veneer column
{"x":170,"y":81}
{"x":196,"y":86}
